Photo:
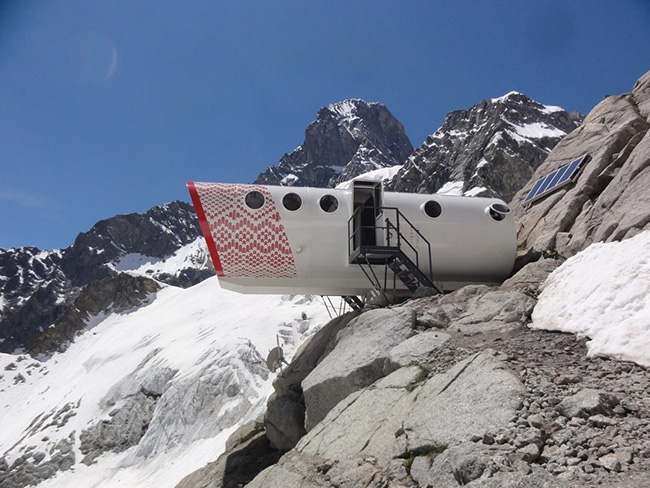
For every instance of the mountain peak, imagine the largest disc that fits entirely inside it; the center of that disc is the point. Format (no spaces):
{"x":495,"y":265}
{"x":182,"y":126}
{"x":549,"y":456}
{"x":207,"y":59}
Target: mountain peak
{"x":508,"y":96}
{"x":473,"y":149}
{"x":348,"y":138}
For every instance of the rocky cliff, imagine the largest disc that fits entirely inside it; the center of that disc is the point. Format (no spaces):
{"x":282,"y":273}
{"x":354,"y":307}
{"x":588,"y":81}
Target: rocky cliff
{"x":610,"y":200}
{"x":492,"y":149}
{"x":347,"y":139}
{"x":457,"y":390}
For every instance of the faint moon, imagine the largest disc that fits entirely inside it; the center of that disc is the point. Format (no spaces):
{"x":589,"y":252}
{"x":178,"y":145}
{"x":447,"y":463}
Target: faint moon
{"x":93,"y":58}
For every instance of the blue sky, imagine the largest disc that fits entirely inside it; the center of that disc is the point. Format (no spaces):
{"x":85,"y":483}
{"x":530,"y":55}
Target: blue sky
{"x":108,"y":107}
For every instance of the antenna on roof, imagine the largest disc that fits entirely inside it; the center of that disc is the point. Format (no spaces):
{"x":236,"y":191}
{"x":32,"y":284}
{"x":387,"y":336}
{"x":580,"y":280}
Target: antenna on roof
{"x":275,"y":359}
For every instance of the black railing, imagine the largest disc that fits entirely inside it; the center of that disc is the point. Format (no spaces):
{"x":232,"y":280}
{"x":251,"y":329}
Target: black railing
{"x":382,"y":240}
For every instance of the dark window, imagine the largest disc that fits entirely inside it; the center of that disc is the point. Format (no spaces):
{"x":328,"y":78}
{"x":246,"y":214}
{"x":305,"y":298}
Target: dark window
{"x":329,"y":203}
{"x":292,"y":201}
{"x":498,"y":211}
{"x":432,"y":209}
{"x":254,"y":200}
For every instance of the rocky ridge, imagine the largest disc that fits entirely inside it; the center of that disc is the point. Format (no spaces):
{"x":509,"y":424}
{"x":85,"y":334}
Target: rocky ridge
{"x":347,"y":139}
{"x":41,"y":291}
{"x":492,"y":149}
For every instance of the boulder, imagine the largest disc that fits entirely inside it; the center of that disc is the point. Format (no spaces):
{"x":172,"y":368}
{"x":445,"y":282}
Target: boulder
{"x":310,"y":353}
{"x":529,"y":279}
{"x":417,"y":347}
{"x":235,"y":467}
{"x":393,"y":419}
{"x":474,"y":309}
{"x":361,"y":356}
{"x":285,"y":415}
{"x":284,"y":420}
{"x":586,"y":403}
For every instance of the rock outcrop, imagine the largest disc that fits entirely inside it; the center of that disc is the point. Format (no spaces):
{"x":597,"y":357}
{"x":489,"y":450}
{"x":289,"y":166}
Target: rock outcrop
{"x":610,"y":200}
{"x":347,"y":139}
{"x":500,"y":406}
{"x":492,"y":149}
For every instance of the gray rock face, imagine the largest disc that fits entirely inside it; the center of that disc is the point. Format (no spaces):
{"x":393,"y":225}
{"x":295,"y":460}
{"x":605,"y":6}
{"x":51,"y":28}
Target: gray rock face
{"x":117,"y":293}
{"x":346,"y":139}
{"x":360,"y":357}
{"x":474,"y":309}
{"x":285,"y":420}
{"x":35,"y":466}
{"x":124,"y":429}
{"x":610,"y":200}
{"x":389,"y":421}
{"x":491,"y":149}
{"x":529,"y":279}
{"x":285,"y":414}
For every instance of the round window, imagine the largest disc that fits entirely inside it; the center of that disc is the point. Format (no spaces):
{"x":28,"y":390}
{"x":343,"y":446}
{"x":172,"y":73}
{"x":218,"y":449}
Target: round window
{"x":254,"y":200}
{"x":292,"y":201}
{"x":498,"y":211}
{"x":432,"y":209}
{"x":329,"y":203}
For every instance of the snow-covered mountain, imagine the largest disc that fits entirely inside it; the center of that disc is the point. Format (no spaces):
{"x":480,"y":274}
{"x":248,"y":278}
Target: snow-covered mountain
{"x":491,"y":149}
{"x":38,"y":288}
{"x":147,"y":394}
{"x":347,"y":139}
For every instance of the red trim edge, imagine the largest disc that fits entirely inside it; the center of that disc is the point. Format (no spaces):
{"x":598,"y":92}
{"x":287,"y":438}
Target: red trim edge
{"x":205,"y":228}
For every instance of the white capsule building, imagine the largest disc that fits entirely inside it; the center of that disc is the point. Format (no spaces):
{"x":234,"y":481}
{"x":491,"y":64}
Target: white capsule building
{"x":276,"y":239}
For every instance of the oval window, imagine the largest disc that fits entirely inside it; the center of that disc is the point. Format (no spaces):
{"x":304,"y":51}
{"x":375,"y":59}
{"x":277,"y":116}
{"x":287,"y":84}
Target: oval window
{"x":329,"y":203}
{"x":432,"y":209}
{"x":292,"y":201}
{"x":254,"y":200}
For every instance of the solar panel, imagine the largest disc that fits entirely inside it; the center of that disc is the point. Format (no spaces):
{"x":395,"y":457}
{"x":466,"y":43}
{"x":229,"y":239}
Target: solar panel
{"x":557,"y":179}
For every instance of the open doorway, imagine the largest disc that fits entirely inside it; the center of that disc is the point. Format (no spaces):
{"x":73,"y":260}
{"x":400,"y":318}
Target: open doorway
{"x":367,"y":198}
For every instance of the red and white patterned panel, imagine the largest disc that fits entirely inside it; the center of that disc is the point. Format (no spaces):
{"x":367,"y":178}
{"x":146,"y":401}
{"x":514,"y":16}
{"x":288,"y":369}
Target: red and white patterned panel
{"x":249,"y":243}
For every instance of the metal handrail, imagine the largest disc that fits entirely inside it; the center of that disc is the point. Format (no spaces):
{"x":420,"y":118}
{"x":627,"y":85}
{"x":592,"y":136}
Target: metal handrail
{"x":354,"y":233}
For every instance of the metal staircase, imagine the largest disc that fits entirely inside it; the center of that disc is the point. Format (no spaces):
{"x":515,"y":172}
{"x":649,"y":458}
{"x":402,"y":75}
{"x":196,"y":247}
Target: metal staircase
{"x":383,"y":241}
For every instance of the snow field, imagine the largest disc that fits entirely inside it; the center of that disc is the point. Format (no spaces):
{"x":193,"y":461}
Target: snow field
{"x":190,"y":331}
{"x":603,"y":293}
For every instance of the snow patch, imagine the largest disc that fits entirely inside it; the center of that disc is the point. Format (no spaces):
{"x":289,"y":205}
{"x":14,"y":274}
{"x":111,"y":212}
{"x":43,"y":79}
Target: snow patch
{"x":346,"y":109}
{"x":482,"y":162}
{"x":602,"y":293}
{"x":504,"y":97}
{"x":451,"y":188}
{"x":192,"y":255}
{"x":549,"y":109}
{"x":381,"y":174}
{"x":538,"y":130}
{"x":289,"y":180}
{"x":476,"y":191}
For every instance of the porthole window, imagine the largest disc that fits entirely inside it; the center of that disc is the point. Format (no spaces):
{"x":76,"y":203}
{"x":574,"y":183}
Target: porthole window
{"x":498,"y":211}
{"x":254,"y":200}
{"x":292,"y":201}
{"x":432,"y":209}
{"x":329,"y":203}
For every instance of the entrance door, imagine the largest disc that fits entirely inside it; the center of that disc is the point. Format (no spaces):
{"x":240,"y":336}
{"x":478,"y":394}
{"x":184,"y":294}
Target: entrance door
{"x":367,"y":198}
